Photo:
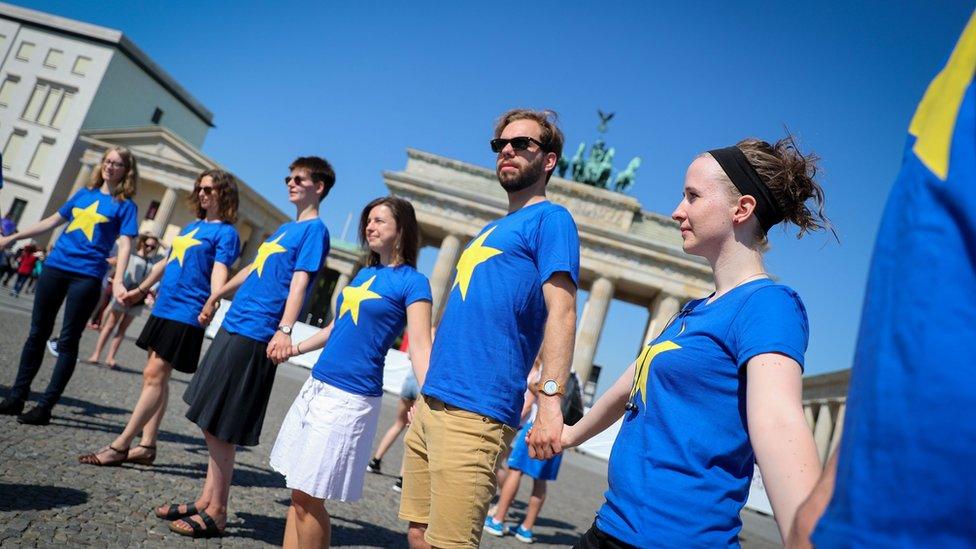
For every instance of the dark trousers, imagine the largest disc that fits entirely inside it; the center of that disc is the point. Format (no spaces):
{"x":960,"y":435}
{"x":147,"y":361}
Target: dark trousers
{"x":594,"y":538}
{"x":19,"y":284}
{"x":79,"y":294}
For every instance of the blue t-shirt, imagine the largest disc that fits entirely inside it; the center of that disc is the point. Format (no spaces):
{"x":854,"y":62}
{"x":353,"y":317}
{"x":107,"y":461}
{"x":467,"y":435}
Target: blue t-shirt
{"x":680,"y":468}
{"x":371,"y":313}
{"x":186,"y":281}
{"x":259,"y":303}
{"x":493,"y":324}
{"x":95,"y":221}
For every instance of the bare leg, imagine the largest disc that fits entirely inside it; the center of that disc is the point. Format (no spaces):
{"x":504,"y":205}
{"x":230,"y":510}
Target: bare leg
{"x":394,"y":431}
{"x":151,"y":430}
{"x":111,"y":318}
{"x":117,"y":340}
{"x":535,"y":503}
{"x":216,"y":489}
{"x":507,"y":496}
{"x":291,"y":530}
{"x":415,"y":536}
{"x":312,"y":524}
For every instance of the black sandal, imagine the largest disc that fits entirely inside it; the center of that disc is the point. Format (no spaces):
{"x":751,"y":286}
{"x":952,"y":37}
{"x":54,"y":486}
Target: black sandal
{"x":209,"y":530}
{"x":93,"y":459}
{"x":173,"y":511}
{"x":146,"y":460}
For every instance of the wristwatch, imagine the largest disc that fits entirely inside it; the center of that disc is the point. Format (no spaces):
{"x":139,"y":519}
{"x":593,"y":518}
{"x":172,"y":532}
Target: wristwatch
{"x":285,"y":330}
{"x":550,"y":387}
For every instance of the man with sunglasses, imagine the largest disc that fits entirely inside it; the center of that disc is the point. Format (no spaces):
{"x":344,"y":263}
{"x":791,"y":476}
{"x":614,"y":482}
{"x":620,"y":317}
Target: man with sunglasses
{"x":516,"y":282}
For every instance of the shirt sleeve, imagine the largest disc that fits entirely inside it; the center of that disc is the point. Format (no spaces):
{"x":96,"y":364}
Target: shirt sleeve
{"x":228,"y":246}
{"x":128,"y":225}
{"x":418,"y":289}
{"x":65,"y":209}
{"x":313,"y":248}
{"x":773,"y":320}
{"x":557,"y":246}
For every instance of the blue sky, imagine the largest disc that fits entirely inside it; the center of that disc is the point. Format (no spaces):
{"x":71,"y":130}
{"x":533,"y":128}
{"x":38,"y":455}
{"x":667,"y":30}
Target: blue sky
{"x":359,"y":82}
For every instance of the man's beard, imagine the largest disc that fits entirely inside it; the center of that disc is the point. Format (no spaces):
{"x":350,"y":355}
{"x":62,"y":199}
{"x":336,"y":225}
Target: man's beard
{"x":525,"y":178}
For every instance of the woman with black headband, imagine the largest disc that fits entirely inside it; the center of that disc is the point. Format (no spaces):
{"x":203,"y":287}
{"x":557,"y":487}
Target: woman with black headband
{"x":720,"y":388}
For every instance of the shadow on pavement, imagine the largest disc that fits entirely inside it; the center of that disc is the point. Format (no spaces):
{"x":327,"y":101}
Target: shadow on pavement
{"x":259,"y":527}
{"x":360,"y":533}
{"x":31,"y":497}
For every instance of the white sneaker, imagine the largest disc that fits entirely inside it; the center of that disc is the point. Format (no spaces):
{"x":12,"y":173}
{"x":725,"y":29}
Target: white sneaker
{"x":52,"y":347}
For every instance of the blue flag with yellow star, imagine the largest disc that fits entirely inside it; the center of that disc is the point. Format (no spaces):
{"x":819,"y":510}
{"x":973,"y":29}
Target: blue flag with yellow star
{"x":95,"y":221}
{"x":186,"y":281}
{"x":905,"y":473}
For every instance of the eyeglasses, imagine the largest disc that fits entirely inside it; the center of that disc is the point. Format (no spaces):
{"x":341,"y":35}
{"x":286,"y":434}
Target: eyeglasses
{"x":113,"y":164}
{"x":520,"y":143}
{"x":206,"y":190}
{"x":298,"y":179}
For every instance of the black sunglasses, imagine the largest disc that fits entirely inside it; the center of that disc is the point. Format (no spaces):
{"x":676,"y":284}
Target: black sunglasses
{"x":520,"y":143}
{"x":298,"y":179}
{"x":206,"y":190}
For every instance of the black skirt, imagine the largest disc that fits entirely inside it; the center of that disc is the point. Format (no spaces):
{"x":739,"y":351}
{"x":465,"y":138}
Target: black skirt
{"x":228,"y":396}
{"x":175,"y":342}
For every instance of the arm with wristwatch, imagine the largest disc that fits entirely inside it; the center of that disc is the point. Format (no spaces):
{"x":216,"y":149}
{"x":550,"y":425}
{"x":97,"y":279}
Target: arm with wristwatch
{"x":279,"y":348}
{"x":545,"y":436}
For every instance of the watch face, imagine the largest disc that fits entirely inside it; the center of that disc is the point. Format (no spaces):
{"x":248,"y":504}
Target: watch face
{"x":285,"y":329}
{"x":550,"y":387}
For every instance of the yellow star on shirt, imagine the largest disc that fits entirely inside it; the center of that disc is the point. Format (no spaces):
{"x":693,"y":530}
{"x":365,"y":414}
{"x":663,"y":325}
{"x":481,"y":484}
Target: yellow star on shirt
{"x":473,"y":255}
{"x":266,"y":250}
{"x":85,"y":220}
{"x":643,"y":366}
{"x":353,"y":296}
{"x":181,"y":244}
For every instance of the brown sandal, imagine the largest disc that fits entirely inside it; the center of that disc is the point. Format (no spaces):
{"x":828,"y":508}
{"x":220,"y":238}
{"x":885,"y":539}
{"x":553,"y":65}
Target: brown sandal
{"x":92,"y":459}
{"x":145,"y":460}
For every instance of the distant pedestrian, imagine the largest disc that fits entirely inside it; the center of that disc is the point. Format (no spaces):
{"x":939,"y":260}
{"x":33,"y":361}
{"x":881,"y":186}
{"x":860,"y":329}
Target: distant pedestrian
{"x":98,"y":215}
{"x":228,"y":395}
{"x":25,"y":266}
{"x":323,"y":447}
{"x":719,"y":390}
{"x":196,"y":268}
{"x":121,"y":314}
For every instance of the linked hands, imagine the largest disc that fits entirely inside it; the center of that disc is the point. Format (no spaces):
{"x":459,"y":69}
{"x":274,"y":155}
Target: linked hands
{"x":280,"y":347}
{"x":545,"y":436}
{"x":208,"y":311}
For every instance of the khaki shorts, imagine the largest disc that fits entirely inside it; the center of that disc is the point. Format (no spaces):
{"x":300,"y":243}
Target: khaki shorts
{"x":449,"y":463}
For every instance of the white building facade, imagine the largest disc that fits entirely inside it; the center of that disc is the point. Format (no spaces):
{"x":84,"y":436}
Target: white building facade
{"x":68,"y":91}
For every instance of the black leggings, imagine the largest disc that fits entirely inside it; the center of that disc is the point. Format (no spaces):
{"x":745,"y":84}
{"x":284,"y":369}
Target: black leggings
{"x":79,"y":294}
{"x":594,"y":538}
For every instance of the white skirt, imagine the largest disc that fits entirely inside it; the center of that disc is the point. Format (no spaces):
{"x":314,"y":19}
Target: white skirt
{"x":324,"y":443}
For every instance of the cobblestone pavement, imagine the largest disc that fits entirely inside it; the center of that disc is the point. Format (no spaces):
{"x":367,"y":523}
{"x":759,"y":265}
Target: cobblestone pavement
{"x":48,"y":499}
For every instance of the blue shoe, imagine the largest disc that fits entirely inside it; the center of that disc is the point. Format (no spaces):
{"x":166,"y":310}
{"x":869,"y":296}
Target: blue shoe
{"x":494,"y":527}
{"x":523,"y":535}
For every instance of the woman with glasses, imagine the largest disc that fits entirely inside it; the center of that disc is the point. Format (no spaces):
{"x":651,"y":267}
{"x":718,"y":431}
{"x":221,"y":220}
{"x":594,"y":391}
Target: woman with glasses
{"x":120,"y":315}
{"x":719,"y":390}
{"x":323,"y":447}
{"x":194,"y":270}
{"x":97,"y":216}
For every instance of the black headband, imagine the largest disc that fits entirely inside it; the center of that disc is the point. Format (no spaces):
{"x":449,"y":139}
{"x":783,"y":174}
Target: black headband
{"x":746,"y":179}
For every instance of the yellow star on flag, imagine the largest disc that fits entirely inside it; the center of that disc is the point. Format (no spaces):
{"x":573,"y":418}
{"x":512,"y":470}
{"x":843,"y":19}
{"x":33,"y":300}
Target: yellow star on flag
{"x":181,"y":244}
{"x":643,"y":366}
{"x":353,"y":296}
{"x":85,"y":220}
{"x":473,"y":255}
{"x":266,"y":250}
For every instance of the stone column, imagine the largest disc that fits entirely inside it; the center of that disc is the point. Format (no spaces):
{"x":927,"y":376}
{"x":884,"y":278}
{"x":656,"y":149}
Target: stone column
{"x":441,"y":279}
{"x":591,"y":325}
{"x":164,"y":213}
{"x":662,"y":308}
{"x":341,"y":283}
{"x":83,"y":177}
{"x":254,"y":241}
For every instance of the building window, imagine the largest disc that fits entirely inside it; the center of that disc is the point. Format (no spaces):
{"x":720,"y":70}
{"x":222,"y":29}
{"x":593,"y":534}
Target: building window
{"x":12,"y":148}
{"x":39,"y":161}
{"x":152,"y":209}
{"x":25,"y":51}
{"x":49,"y":104}
{"x":157,"y":115}
{"x":81,"y":65}
{"x":7,"y":89}
{"x":17,"y":210}
{"x":53,"y":58}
